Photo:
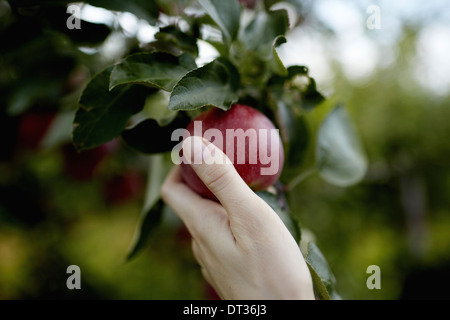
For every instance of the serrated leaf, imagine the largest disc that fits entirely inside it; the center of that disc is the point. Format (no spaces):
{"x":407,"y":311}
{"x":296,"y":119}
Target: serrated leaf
{"x":226,"y":14}
{"x":339,"y":154}
{"x":158,"y":70}
{"x":323,"y":279}
{"x":103,"y":114}
{"x":149,"y":137}
{"x":214,"y":84}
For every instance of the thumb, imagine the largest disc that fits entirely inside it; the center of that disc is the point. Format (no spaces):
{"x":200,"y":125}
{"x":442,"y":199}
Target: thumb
{"x":217,"y":172}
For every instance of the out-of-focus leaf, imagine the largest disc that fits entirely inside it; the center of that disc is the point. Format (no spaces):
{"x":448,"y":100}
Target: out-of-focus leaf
{"x":88,"y":35}
{"x":297,"y":4}
{"x":323,"y":279}
{"x":151,"y":214}
{"x":149,"y":137}
{"x":339,"y":154}
{"x":103,"y":114}
{"x":214,"y":84}
{"x":287,"y":218}
{"x":159,"y":70}
{"x":28,"y":92}
{"x":310,"y":96}
{"x":156,"y":107}
{"x":265,"y":32}
{"x":148,"y":222}
{"x":276,"y":65}
{"x":295,"y":135}
{"x":144,"y":9}
{"x":226,"y":14}
{"x":172,"y":40}
{"x":60,"y":130}
{"x":277,"y":83}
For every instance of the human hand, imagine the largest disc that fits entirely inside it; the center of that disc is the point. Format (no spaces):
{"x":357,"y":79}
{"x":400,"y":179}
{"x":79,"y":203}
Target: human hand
{"x":244,"y":249}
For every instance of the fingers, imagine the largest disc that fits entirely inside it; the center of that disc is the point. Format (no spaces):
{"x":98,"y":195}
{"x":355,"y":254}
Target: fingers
{"x":203,"y":218}
{"x":217,"y":172}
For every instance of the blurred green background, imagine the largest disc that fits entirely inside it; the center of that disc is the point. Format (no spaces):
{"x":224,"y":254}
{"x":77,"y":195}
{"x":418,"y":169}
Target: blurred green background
{"x":59,"y":208}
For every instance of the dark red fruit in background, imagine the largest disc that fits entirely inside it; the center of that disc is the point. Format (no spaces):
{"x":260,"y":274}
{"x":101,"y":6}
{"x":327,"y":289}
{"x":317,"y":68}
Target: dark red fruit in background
{"x":183,"y":235}
{"x":82,"y":166}
{"x":248,"y":3}
{"x":123,"y":187}
{"x":210,"y":292}
{"x":32,"y":128}
{"x":238,"y":117}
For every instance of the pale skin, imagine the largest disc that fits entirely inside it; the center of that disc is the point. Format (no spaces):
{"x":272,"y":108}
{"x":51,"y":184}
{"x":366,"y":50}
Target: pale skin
{"x":242,"y":246}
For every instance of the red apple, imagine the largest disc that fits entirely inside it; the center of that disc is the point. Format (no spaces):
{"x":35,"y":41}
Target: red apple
{"x":258,"y":165}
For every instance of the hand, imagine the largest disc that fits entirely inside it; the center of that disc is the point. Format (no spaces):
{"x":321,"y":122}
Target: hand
{"x":244,"y":249}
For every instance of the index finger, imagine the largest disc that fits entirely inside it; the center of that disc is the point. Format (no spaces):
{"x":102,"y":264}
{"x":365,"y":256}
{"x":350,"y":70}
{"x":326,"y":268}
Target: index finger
{"x":196,"y":212}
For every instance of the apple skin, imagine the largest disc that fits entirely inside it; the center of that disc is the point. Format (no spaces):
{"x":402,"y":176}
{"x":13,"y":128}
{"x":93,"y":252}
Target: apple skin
{"x":238,"y":117}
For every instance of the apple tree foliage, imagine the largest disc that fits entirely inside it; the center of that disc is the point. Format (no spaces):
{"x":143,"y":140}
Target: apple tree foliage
{"x":163,"y":86}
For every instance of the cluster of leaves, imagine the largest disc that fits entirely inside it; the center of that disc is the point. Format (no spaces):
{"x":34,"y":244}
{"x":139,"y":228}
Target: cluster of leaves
{"x":148,"y":94}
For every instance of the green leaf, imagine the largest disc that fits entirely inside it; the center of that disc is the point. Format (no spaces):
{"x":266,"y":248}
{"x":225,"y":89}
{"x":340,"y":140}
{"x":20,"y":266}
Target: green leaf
{"x":310,"y":96}
{"x":103,"y":114}
{"x":214,"y":84}
{"x":276,"y":65}
{"x":265,"y":32}
{"x":147,"y":224}
{"x":323,"y":279}
{"x":158,"y":70}
{"x":60,"y":130}
{"x":151,"y":214}
{"x":285,"y":216}
{"x":301,"y":87}
{"x":339,"y":155}
{"x":295,"y":134}
{"x":156,"y":107}
{"x":144,"y":9}
{"x":226,"y":14}
{"x":149,"y":137}
{"x":30,"y":91}
{"x":172,"y":40}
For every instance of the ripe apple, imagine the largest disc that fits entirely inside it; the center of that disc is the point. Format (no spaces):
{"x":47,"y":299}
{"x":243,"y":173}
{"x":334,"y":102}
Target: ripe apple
{"x":254,"y":169}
